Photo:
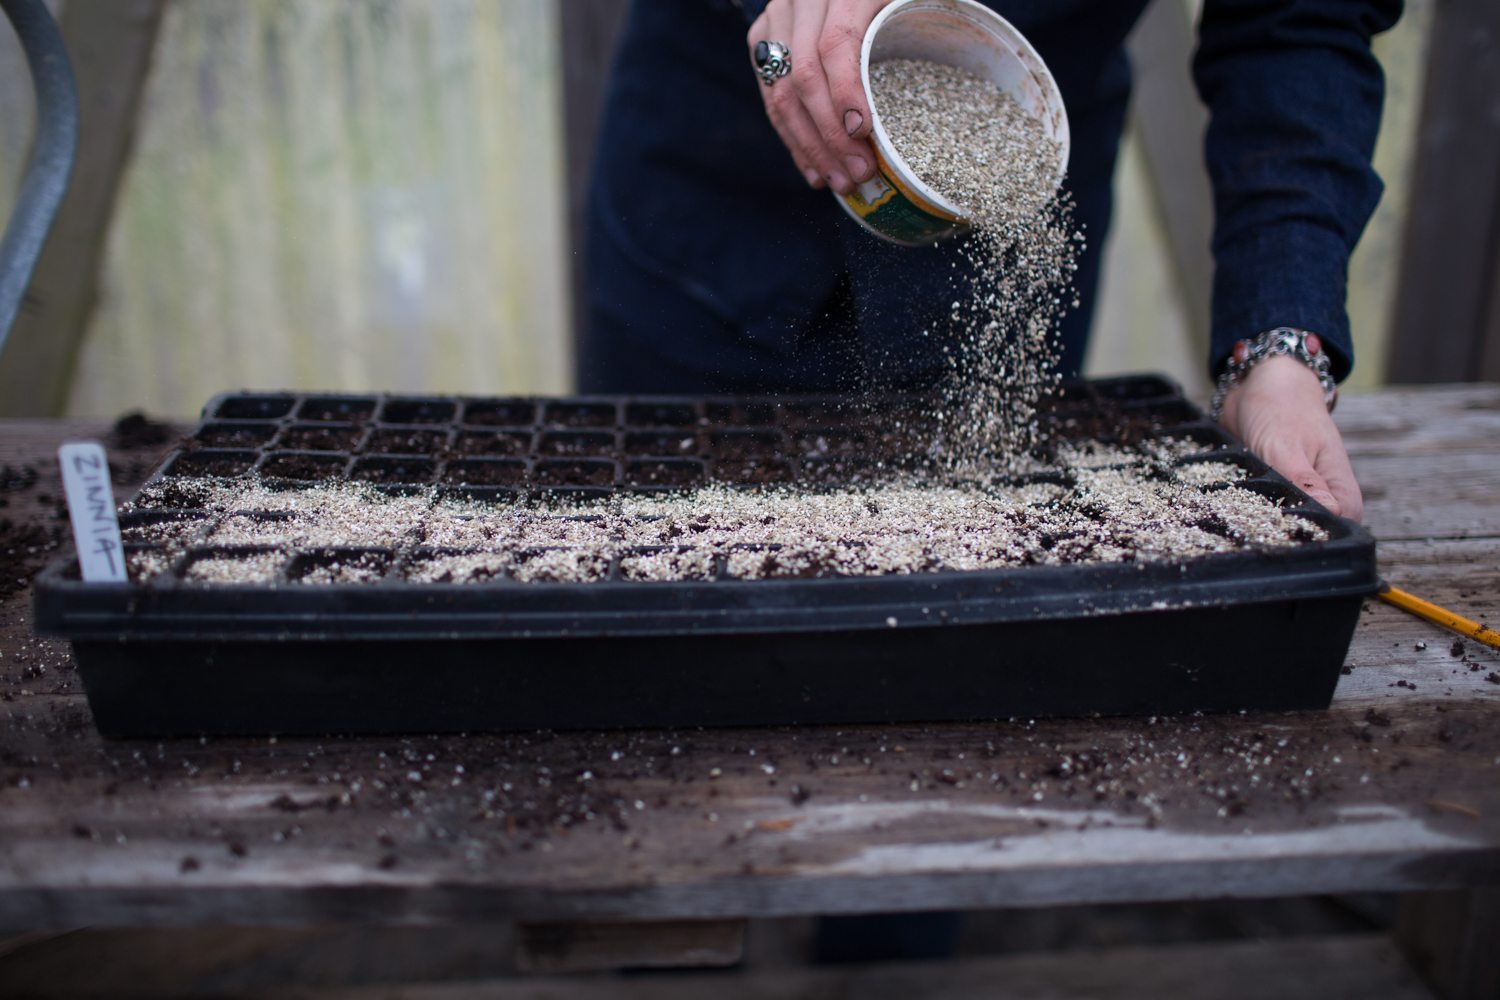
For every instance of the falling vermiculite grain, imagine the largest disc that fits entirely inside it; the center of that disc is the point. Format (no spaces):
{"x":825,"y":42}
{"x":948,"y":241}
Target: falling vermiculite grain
{"x":971,"y":142}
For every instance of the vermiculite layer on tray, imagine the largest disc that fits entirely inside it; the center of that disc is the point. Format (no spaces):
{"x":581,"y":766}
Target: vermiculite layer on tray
{"x":1157,"y":492}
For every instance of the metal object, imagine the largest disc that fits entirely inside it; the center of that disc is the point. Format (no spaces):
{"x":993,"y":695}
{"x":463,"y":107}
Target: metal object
{"x":51,"y":162}
{"x":773,"y":60}
{"x":1300,"y":344}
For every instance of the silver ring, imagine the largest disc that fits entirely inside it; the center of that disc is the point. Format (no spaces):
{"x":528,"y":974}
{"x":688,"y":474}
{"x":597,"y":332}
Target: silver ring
{"x":773,"y":61}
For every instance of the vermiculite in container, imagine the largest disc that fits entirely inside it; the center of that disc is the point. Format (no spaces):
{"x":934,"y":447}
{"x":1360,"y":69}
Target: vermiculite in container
{"x":966,"y":138}
{"x":898,"y":204}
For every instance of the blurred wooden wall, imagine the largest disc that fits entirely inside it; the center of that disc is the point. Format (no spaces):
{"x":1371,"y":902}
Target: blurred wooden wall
{"x":1447,"y":303}
{"x":353,"y":195}
{"x":1153,"y":311}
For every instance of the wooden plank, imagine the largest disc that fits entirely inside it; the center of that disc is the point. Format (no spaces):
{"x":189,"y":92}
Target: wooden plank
{"x":1369,"y":797}
{"x":1430,"y":496}
{"x":1398,"y":656}
{"x":1420,"y":420}
{"x":590,"y":29}
{"x":1171,"y":121}
{"x":110,"y":45}
{"x":1452,"y":242}
{"x":1362,"y":966}
{"x":1427,"y":458}
{"x":594,"y":947}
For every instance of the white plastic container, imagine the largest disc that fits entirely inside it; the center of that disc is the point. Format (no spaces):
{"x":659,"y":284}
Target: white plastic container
{"x":895,"y":204}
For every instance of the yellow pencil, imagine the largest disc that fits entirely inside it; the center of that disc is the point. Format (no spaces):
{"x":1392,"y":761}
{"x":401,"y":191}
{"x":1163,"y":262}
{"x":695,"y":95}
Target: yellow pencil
{"x":1439,"y":616}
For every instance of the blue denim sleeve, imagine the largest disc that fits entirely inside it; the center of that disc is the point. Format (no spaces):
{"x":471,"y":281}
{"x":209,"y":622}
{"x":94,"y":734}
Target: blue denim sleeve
{"x":1294,"y":96}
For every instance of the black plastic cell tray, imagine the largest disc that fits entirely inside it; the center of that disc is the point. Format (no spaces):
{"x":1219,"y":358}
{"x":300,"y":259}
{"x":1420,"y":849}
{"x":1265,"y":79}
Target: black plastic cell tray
{"x":1253,"y":629}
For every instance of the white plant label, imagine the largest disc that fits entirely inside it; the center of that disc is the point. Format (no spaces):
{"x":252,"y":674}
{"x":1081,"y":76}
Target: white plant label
{"x":91,"y":507}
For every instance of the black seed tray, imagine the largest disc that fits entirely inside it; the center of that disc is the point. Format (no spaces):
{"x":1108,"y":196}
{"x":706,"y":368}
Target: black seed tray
{"x":374,"y":651}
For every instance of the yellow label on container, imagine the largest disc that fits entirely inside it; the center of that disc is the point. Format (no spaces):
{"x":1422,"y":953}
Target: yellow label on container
{"x":921,"y":204}
{"x":888,"y":207}
{"x":870,"y":196}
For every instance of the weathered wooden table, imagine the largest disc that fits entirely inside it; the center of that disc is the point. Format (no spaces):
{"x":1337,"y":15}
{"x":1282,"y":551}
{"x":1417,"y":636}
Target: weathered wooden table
{"x":1394,"y":788}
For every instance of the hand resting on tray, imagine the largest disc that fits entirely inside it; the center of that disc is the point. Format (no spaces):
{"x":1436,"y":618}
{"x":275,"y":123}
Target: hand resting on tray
{"x":1279,"y":412}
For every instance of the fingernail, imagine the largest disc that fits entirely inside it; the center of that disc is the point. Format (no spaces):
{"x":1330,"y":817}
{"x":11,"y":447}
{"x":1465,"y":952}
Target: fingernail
{"x":852,"y":121}
{"x":813,"y":177}
{"x":857,"y":167}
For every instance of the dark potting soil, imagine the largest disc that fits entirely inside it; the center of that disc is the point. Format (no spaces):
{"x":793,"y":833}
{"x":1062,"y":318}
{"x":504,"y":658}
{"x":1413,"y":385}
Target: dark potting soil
{"x":577,"y":444}
{"x":405,"y":442}
{"x":489,"y":444}
{"x":500,"y":413}
{"x":232,"y":436}
{"x":668,"y":473}
{"x":758,"y":471}
{"x":320,"y":438}
{"x":337,"y":410}
{"x":211,"y":464}
{"x":26,"y":545}
{"x":662,"y":443}
{"x":485,"y":473}
{"x":584,"y":473}
{"x":136,"y":430}
{"x":745,"y":444}
{"x":393,"y":471}
{"x":418,"y":411}
{"x":562,"y":414}
{"x":24,"y":548}
{"x":301,"y":467}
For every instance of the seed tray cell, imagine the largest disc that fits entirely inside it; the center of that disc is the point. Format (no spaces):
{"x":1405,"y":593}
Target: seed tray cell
{"x":252,"y":621}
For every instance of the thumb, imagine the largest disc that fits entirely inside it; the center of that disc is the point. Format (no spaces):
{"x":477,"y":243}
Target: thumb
{"x":1349,"y":501}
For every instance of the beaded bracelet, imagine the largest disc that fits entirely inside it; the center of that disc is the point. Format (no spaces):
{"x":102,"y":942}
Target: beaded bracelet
{"x":1300,"y":344}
